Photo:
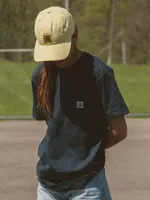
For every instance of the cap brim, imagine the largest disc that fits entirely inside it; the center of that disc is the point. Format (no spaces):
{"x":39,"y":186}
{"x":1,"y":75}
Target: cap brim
{"x":54,"y":52}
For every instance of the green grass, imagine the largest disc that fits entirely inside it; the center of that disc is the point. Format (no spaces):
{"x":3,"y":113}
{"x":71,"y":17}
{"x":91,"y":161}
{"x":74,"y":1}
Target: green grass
{"x":15,"y":87}
{"x":134,"y":84}
{"x":16,"y":95}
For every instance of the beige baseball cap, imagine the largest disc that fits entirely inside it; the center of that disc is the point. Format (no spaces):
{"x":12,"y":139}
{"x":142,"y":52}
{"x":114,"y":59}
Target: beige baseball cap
{"x":54,"y":28}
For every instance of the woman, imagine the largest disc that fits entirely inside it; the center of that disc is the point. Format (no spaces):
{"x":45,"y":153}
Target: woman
{"x":78,"y":97}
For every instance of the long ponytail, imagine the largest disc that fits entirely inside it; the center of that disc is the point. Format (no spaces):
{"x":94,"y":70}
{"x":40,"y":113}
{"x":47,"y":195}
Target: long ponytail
{"x":46,"y":90}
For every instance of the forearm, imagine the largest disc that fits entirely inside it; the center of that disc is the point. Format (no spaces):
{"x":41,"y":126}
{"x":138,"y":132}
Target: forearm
{"x":114,"y":139}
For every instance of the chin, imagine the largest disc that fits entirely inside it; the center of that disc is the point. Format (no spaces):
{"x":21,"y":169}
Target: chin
{"x":60,"y":64}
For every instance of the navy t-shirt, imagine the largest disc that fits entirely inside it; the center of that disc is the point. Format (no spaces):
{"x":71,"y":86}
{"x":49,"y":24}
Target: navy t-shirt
{"x":73,"y":149}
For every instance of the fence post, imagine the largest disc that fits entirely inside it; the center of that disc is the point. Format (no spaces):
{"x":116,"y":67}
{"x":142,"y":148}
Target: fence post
{"x":67,"y":5}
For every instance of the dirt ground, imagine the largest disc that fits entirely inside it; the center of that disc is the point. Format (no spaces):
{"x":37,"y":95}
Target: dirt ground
{"x":127,"y":166}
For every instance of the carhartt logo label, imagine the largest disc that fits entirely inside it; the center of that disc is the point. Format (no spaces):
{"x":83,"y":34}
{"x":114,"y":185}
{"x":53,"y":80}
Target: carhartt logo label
{"x":80,"y":104}
{"x":47,"y":38}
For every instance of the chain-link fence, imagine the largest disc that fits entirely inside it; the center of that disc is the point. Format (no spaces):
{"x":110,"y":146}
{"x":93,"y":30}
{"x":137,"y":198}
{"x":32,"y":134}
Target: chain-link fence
{"x":93,"y":20}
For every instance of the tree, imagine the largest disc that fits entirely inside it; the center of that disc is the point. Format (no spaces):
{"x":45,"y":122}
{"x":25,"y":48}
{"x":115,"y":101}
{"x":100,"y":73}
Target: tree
{"x":112,"y":30}
{"x":137,"y":32}
{"x":93,"y":20}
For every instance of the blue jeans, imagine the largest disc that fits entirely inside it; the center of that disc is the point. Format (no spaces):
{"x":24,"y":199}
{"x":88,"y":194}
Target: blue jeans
{"x":96,"y":189}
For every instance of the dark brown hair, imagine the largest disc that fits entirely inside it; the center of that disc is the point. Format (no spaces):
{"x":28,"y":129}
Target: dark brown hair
{"x":47,"y":86}
{"x":46,"y":90}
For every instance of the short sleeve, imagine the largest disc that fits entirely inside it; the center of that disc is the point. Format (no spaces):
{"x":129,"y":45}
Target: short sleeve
{"x":35,"y":112}
{"x":112,"y":99}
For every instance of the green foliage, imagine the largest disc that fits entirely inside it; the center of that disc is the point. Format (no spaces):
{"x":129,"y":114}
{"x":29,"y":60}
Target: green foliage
{"x":93,"y":20}
{"x":93,"y":25}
